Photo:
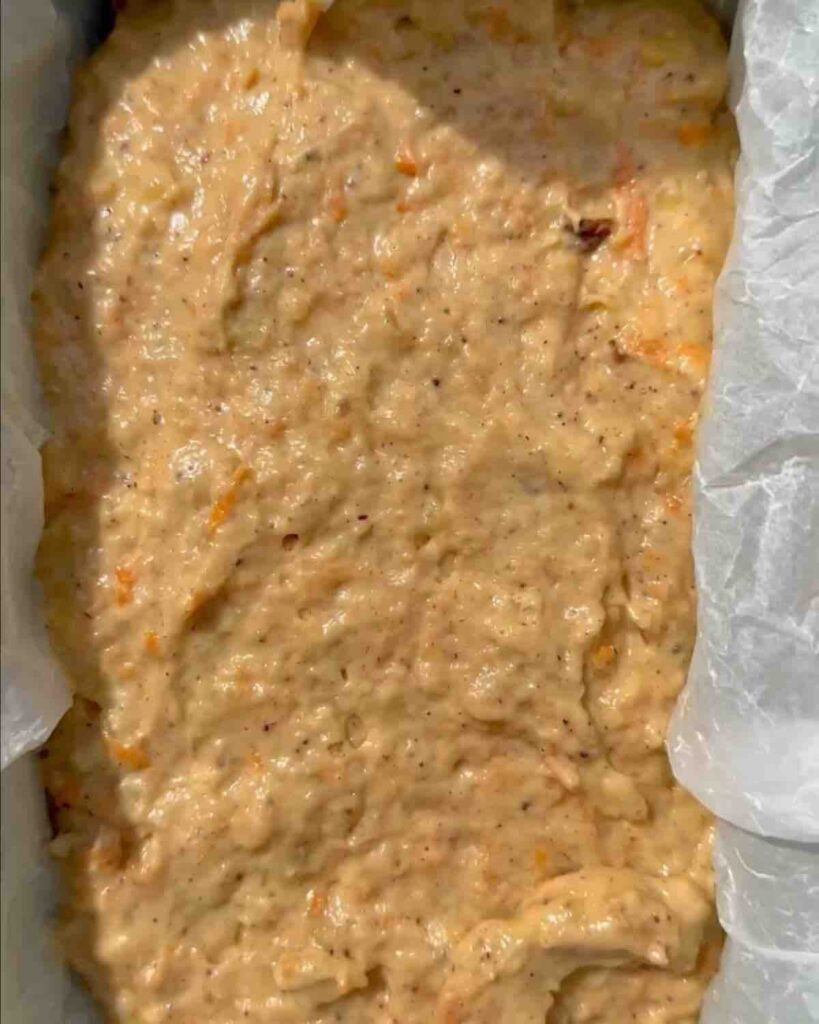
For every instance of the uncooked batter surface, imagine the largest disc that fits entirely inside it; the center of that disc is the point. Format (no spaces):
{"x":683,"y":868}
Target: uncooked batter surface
{"x":375,"y":343}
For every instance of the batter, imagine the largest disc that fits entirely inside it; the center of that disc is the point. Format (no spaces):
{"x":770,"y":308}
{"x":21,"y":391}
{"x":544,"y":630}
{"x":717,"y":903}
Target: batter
{"x":375,"y":341}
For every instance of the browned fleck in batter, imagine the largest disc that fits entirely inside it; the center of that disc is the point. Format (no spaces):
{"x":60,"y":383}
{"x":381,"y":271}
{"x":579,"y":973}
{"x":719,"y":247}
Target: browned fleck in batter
{"x":375,"y":341}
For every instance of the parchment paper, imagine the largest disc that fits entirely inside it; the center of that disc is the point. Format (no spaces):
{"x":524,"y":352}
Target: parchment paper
{"x":745,"y":737}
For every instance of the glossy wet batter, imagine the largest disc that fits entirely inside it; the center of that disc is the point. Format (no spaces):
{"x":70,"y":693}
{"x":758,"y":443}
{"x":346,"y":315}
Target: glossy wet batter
{"x":375,"y":341}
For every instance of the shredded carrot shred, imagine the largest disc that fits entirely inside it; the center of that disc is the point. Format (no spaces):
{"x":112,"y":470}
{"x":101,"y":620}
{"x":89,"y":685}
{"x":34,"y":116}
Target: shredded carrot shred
{"x":648,"y":350}
{"x":318,"y":901}
{"x":223,"y":506}
{"x":406,"y":163}
{"x":134,"y":758}
{"x":125,"y":585}
{"x":636,"y":210}
{"x":695,"y":357}
{"x":673,"y":502}
{"x":684,"y":432}
{"x":694,"y":133}
{"x":337,"y":208}
{"x":602,"y":655}
{"x":687,"y":357}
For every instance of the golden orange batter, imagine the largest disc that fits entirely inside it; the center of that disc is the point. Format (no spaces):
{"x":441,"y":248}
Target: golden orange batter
{"x":375,"y":341}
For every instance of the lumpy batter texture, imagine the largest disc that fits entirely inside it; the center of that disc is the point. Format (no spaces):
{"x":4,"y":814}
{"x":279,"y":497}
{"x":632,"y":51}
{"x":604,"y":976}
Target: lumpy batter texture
{"x":375,"y":341}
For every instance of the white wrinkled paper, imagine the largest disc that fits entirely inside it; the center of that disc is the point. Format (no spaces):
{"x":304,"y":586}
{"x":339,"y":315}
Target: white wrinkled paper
{"x":751,"y":711}
{"x":745,"y":738}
